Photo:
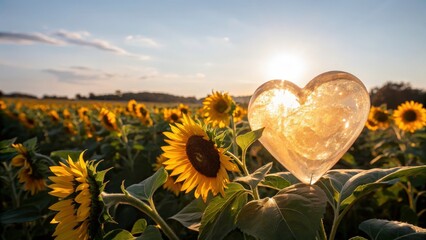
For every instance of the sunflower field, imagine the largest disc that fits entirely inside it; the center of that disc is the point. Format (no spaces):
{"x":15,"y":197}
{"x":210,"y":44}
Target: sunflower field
{"x":112,"y":170}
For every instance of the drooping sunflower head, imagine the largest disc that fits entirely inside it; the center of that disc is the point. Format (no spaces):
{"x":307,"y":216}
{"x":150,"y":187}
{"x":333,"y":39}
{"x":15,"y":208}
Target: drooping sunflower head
{"x":66,"y":114}
{"x":69,"y":127}
{"x":141,"y":111}
{"x":108,"y":119}
{"x":26,"y":120}
{"x":83,"y":113}
{"x":54,"y":116}
{"x":30,"y":173}
{"x":378,"y":118}
{"x":78,"y":186}
{"x":218,"y":108}
{"x":3,"y":105}
{"x":410,"y":116}
{"x":172,"y":115}
{"x":170,"y":183}
{"x":196,"y":160}
{"x":131,"y":106}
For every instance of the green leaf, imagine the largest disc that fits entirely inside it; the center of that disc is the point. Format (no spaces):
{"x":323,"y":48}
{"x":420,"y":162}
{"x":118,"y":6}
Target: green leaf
{"x":190,"y":215}
{"x":348,"y":159}
{"x":367,"y":181}
{"x":20,"y":215}
{"x":220,"y":215}
{"x":139,"y":226}
{"x":332,"y":183}
{"x":118,"y":234}
{"x":63,"y":154}
{"x":7,"y":143}
{"x":247,"y":139}
{"x":379,"y":229}
{"x":145,"y":189}
{"x":275,"y":182}
{"x":286,"y":176}
{"x":30,"y":210}
{"x":294,"y":213}
{"x":257,"y":176}
{"x":150,"y":233}
{"x":30,"y":144}
{"x":358,"y":238}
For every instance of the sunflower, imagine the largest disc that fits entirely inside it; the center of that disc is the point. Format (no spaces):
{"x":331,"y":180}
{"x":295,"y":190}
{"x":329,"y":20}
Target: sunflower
{"x":410,"y":116}
{"x":29,"y":174}
{"x":131,"y":106}
{"x":170,"y":183}
{"x":239,"y":113}
{"x":27,"y":121}
{"x":196,"y":159}
{"x":172,"y":115}
{"x":371,"y":125}
{"x":378,"y":118}
{"x":83,"y":113}
{"x":54,"y":116}
{"x":108,"y":119}
{"x":69,"y":127}
{"x":217,"y":109}
{"x":66,"y":113}
{"x":78,"y":186}
{"x":184,"y":109}
{"x":141,"y":111}
{"x":3,"y":105}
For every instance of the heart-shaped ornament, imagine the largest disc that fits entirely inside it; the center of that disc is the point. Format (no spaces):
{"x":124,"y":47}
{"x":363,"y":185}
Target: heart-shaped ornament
{"x":309,"y":129}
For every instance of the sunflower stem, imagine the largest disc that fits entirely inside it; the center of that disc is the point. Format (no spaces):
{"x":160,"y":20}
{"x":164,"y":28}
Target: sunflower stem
{"x":51,"y":162}
{"x":112,"y":199}
{"x":12,"y":185}
{"x":234,"y":136}
{"x":321,"y":232}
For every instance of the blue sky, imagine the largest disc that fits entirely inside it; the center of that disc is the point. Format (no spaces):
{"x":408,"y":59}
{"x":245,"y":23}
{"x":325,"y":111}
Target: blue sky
{"x":190,"y":48}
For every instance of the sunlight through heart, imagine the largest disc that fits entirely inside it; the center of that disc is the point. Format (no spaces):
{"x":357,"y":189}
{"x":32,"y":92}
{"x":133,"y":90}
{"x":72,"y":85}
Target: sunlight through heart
{"x":308,"y":130}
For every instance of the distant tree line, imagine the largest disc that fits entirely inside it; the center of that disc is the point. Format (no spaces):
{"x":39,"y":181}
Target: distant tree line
{"x":392,"y":94}
{"x":141,"y":96}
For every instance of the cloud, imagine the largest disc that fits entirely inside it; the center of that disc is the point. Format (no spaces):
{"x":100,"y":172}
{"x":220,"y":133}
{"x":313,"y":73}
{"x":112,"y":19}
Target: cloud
{"x":63,"y":37}
{"x":80,"y":38}
{"x":142,"y":41}
{"x":79,"y":74}
{"x":28,"y":38}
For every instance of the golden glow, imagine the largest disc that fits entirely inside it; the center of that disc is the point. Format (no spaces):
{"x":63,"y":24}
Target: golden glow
{"x":285,"y":67}
{"x":282,"y":100}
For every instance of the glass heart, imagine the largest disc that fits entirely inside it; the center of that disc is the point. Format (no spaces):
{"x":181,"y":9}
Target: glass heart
{"x":309,"y":129}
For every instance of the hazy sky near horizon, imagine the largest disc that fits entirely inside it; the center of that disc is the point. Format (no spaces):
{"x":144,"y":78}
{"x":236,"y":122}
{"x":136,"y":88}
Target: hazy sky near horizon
{"x":190,"y":48}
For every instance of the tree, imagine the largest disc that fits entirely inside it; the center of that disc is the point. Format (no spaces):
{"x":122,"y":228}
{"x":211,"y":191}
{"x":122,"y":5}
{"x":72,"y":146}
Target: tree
{"x":393,"y":94}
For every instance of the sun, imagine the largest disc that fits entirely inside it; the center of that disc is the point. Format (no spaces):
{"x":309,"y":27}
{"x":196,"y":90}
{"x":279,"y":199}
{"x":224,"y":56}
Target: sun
{"x":285,"y":67}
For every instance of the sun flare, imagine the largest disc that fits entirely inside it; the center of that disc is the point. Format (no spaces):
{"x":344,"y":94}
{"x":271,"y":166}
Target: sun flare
{"x":285,"y":67}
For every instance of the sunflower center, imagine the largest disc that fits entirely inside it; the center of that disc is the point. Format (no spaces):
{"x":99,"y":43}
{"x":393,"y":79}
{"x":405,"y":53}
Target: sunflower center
{"x":409,"y":116}
{"x":221,"y":106}
{"x":174,"y":117}
{"x":381,"y":116}
{"x":203,"y":156}
{"x":184,"y":111}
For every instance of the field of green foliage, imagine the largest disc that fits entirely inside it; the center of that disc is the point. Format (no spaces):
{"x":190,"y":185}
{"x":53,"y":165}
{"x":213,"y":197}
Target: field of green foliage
{"x":112,"y":170}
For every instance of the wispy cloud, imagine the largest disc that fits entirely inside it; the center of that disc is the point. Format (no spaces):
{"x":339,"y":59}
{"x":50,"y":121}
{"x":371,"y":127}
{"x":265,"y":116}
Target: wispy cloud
{"x":82,"y":38}
{"x":142,"y":41}
{"x":79,"y":74}
{"x":28,"y":38}
{"x":63,"y":37}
